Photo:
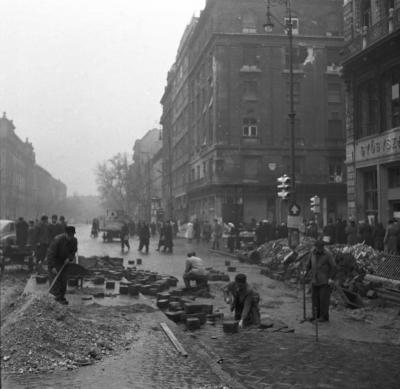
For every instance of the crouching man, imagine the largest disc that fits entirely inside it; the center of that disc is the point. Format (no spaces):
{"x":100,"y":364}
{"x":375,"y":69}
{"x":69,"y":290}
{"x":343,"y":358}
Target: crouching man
{"x":244,"y":301}
{"x":61,"y":251}
{"x":194,"y":270}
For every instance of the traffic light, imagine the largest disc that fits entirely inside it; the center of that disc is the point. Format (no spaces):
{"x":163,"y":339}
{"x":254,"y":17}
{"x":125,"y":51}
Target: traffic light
{"x":284,"y":187}
{"x":315,"y":207}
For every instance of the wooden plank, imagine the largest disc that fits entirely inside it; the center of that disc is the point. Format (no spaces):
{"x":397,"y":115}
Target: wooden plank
{"x":173,"y":339}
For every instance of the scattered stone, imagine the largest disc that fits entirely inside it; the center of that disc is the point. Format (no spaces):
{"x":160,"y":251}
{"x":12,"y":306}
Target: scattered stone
{"x":110,"y":285}
{"x":192,"y":323}
{"x":230,"y":326}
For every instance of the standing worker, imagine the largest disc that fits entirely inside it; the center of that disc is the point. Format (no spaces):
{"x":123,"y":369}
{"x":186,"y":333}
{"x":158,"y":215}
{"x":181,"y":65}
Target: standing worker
{"x":61,"y":251}
{"x":125,"y":237}
{"x":323,"y":270}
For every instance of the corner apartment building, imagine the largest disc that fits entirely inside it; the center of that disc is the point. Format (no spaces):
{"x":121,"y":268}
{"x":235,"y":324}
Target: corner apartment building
{"x":226,"y":106}
{"x":26,"y":189}
{"x":372,"y":75}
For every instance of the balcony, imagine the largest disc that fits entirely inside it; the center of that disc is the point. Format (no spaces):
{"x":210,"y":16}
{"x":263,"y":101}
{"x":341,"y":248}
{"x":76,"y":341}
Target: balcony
{"x":370,"y":35}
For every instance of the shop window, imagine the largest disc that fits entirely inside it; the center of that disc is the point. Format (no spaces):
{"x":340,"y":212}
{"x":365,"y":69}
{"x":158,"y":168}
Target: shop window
{"x":371,"y":192}
{"x":250,"y":127}
{"x":334,"y":93}
{"x":394,"y":177}
{"x":335,"y":167}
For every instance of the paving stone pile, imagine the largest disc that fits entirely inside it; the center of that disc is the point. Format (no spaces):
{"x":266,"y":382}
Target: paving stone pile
{"x":47,"y":336}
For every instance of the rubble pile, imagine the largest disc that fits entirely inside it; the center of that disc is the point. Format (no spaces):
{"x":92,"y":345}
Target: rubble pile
{"x":48,"y":336}
{"x":278,"y":261}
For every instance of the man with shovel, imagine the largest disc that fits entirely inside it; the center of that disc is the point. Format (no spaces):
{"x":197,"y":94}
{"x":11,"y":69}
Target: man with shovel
{"x":61,"y":252}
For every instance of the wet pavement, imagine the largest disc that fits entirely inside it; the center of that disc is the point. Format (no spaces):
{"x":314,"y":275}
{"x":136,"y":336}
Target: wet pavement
{"x":249,"y":359}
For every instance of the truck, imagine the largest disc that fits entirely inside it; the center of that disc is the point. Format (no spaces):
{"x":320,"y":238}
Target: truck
{"x":111,"y":225}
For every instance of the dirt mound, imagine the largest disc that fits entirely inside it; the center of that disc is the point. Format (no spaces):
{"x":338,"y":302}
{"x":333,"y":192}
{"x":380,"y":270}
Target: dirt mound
{"x":45,"y":335}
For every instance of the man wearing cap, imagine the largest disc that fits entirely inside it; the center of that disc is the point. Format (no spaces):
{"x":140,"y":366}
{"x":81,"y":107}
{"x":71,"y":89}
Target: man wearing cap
{"x":323,"y":270}
{"x":61,"y":251}
{"x":244,"y":301}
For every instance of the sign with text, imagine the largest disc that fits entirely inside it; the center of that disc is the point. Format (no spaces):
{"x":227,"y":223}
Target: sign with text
{"x":294,"y":221}
{"x":379,"y":146}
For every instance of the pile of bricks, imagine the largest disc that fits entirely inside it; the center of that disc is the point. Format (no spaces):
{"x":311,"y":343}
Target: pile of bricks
{"x":181,"y":310}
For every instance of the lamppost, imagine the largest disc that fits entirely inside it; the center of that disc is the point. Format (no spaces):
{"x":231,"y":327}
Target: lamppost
{"x":294,"y":210}
{"x":268,"y":26}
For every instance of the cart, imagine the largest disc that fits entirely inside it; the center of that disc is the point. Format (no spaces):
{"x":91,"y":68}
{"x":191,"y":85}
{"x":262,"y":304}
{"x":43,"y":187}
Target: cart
{"x":15,"y":255}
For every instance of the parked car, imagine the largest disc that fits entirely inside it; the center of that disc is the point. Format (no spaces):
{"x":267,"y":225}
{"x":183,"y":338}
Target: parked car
{"x":7,"y":233}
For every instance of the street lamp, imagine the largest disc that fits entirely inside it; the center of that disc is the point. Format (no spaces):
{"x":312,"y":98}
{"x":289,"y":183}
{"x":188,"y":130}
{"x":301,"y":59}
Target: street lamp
{"x":268,"y":27}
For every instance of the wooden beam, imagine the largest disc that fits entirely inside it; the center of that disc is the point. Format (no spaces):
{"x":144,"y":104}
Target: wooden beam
{"x":173,"y":339}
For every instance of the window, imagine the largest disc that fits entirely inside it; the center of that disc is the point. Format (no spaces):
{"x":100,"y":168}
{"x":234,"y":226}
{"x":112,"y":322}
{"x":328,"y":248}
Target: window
{"x":249,"y":127}
{"x":251,"y":167}
{"x":249,"y":23}
{"x":335,"y":129}
{"x":371,"y":192}
{"x":394,"y":177}
{"x":333,"y":56}
{"x":250,"y":91}
{"x":366,"y":13}
{"x":296,"y":92}
{"x":250,"y":55}
{"x":299,"y":56}
{"x":295,"y":25}
{"x":335,"y":168}
{"x":368,"y":109}
{"x":334,"y":93}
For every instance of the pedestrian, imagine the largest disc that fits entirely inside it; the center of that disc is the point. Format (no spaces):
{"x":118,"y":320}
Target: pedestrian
{"x":196,"y":231}
{"x":54,"y":228}
{"x":391,"y":237}
{"x":206,"y":231}
{"x":31,"y":234}
{"x":21,"y":232}
{"x":124,"y":237}
{"x":323,"y":270}
{"x":378,"y":236}
{"x":61,"y":251}
{"x":244,"y":301}
{"x":194,"y":269}
{"x":144,"y":237}
{"x":42,"y":239}
{"x":329,"y":232}
{"x":365,"y":233}
{"x":340,"y":233}
{"x":168,"y":237}
{"x":351,"y":233}
{"x":231,"y":237}
{"x":63,"y":223}
{"x":189,"y":232}
{"x":216,"y":234}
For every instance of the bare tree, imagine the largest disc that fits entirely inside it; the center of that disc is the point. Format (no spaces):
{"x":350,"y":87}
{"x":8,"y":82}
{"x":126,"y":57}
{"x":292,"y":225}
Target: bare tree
{"x":114,"y":183}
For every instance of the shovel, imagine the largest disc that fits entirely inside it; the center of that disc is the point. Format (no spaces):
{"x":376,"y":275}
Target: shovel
{"x":56,"y":277}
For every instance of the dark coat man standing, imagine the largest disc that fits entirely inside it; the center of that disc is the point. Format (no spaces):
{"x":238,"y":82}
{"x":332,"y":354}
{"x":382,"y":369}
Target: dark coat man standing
{"x":21,"y":230}
{"x":61,"y":251}
{"x":42,"y":238}
{"x":323,"y":270}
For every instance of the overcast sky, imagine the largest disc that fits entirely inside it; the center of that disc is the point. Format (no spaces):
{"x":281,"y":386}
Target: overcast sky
{"x":83,"y":79}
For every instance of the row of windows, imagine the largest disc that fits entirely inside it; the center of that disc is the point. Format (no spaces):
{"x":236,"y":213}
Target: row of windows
{"x":250,"y":128}
{"x":252,"y":168}
{"x":379,"y":104}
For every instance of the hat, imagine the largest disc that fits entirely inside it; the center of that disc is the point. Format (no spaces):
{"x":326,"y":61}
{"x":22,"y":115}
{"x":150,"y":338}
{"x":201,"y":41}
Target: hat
{"x":319,"y":243}
{"x":70,"y":229}
{"x":231,"y":224}
{"x":241,"y":278}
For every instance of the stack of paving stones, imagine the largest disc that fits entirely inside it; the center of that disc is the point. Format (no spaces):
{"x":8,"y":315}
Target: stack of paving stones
{"x":215,"y":275}
{"x":182,"y":310}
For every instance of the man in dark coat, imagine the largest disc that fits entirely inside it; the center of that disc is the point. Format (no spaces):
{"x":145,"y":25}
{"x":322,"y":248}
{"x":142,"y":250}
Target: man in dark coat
{"x":144,"y":237}
{"x":61,"y":251}
{"x":42,"y":239}
{"x":323,"y":270}
{"x":21,"y":231}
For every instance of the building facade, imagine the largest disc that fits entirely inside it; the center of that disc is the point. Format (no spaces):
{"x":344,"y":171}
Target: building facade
{"x":225,"y":112}
{"x":26,"y":189}
{"x":372,"y":73}
{"x":146,"y":173}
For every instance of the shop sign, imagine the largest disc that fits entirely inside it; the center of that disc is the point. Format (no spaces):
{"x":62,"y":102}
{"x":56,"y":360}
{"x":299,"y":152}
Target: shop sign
{"x":380,"y":146}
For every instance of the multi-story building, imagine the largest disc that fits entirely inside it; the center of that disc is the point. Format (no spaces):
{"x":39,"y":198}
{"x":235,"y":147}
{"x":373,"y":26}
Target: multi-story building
{"x":226,"y":104}
{"x":372,"y":75}
{"x":26,"y":189}
{"x":146,"y":173}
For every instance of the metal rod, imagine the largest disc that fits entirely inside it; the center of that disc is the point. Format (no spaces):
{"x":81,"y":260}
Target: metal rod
{"x":173,"y":339}
{"x":56,"y":277}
